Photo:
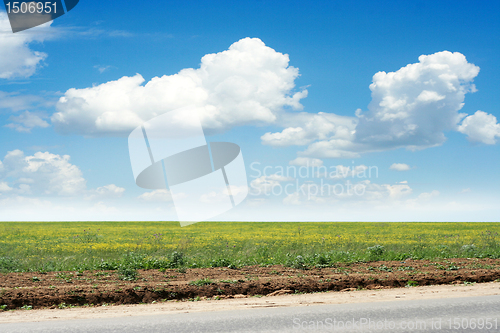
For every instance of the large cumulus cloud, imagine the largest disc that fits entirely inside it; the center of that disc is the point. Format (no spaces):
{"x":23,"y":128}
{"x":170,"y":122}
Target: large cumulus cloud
{"x":412,"y":108}
{"x":250,"y":83}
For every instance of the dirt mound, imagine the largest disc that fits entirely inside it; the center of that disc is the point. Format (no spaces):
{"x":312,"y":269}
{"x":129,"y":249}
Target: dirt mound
{"x":91,"y":288}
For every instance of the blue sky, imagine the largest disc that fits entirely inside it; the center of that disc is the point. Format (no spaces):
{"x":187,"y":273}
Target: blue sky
{"x":283,"y":80}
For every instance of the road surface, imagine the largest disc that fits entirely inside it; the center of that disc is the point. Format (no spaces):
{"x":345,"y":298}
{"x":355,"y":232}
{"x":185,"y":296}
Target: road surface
{"x":467,"y":314}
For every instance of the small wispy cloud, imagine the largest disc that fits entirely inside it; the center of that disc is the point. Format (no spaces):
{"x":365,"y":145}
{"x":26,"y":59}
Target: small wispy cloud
{"x":102,"y":68}
{"x":400,"y":167}
{"x":27,"y":121}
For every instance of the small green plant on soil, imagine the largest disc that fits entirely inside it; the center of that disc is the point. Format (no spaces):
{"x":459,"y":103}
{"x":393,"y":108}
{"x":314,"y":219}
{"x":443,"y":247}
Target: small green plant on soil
{"x":27,"y":307}
{"x":229,"y":281}
{"x":3,"y":307}
{"x":412,"y":284}
{"x":127,"y":274}
{"x":201,"y":282}
{"x":36,"y":279}
{"x":384,"y":268}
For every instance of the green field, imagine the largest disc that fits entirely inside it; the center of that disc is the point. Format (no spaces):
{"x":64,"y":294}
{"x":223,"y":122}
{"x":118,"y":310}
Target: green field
{"x":55,"y":246}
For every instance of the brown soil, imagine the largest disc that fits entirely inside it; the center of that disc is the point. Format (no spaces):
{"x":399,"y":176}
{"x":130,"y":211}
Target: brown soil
{"x":66,"y":289}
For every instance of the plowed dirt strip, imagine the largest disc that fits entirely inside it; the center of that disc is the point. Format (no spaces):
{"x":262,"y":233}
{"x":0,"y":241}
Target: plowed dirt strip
{"x":172,"y":307}
{"x":59,"y":290}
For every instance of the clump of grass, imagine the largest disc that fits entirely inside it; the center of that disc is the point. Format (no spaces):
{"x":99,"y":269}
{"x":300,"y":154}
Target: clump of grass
{"x":298,"y":262}
{"x":412,"y":284}
{"x":376,"y":251}
{"x":201,"y":282}
{"x":127,"y":273}
{"x":221,"y":262}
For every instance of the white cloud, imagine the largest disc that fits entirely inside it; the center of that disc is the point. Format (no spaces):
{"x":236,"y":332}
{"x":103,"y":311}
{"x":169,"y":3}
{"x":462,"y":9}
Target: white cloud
{"x":106,"y":192}
{"x":249,"y":83}
{"x":157,"y":196}
{"x":342,"y":171}
{"x":384,"y":192}
{"x":410,"y":108}
{"x":465,"y":190}
{"x":101,"y":68}
{"x":16,"y":58}
{"x":481,"y":127}
{"x":423,"y":198}
{"x":414,"y":105}
{"x":306,"y":128}
{"x":26,"y":122}
{"x":400,"y":167}
{"x":42,"y":174}
{"x":307,"y":162}
{"x":264,"y":185}
{"x":4,"y":187}
{"x":427,"y":196}
{"x":363,"y":191}
{"x":15,"y":101}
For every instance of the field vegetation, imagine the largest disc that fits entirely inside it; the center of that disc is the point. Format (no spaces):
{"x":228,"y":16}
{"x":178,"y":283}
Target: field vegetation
{"x":79,"y":246}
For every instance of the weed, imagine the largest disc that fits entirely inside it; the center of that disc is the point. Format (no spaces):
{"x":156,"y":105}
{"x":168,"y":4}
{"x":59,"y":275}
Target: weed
{"x":412,"y":283}
{"x":469,"y":248}
{"x":376,"y":251}
{"x":406,"y":268}
{"x":384,"y":268}
{"x":8,"y":264}
{"x":221,"y":263}
{"x":298,"y":263}
{"x":201,"y":282}
{"x":127,"y":274}
{"x":176,"y":259}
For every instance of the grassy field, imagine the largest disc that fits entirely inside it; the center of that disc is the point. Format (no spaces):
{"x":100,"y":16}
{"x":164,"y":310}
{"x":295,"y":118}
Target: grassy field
{"x":58,"y":246}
